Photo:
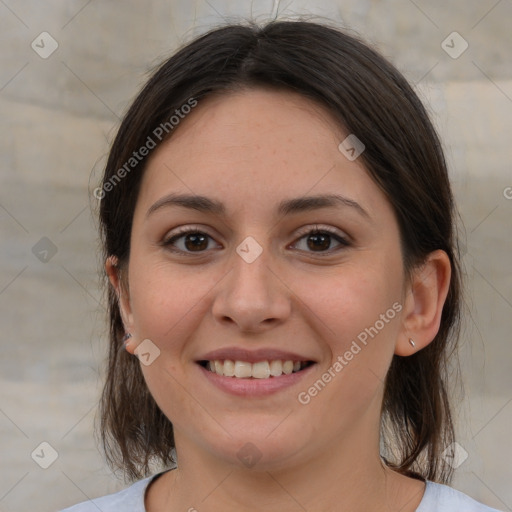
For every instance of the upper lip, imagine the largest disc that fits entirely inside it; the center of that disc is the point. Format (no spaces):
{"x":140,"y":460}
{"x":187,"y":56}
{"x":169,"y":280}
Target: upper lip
{"x":252,"y":356}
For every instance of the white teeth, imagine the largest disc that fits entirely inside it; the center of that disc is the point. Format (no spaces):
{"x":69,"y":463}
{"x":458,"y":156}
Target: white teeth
{"x":259,"y":370}
{"x":229,"y":368}
{"x":242,"y":369}
{"x":276,"y":368}
{"x":287,"y":367}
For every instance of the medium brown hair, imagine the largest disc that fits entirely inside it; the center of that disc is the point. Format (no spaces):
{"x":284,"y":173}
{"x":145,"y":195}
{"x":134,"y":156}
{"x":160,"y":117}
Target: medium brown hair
{"x":369,"y":98}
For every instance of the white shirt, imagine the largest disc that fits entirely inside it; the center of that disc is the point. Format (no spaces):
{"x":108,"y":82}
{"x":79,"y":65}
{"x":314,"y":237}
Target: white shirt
{"x":437,"y":498}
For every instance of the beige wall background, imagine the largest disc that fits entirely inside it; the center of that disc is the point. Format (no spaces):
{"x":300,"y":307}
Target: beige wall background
{"x":60,"y":110}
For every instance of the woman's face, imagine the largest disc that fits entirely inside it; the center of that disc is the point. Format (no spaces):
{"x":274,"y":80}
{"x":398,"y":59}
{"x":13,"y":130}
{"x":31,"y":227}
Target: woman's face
{"x":294,"y":255}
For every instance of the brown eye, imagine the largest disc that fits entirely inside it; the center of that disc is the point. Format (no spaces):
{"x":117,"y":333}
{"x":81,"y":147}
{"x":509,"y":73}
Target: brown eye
{"x":321,"y":241}
{"x":188,"y":241}
{"x":196,"y":241}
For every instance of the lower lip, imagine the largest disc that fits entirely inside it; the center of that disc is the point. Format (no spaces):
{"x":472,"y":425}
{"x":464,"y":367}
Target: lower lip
{"x":252,"y":386}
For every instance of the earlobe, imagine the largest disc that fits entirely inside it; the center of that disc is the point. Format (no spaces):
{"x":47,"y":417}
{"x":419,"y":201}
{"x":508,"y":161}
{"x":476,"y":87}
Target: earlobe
{"x":426,"y":295}
{"x":127,"y":343}
{"x":114,"y":276}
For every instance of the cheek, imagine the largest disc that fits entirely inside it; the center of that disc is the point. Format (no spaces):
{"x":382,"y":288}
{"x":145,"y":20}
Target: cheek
{"x":358,"y":318}
{"x":166,"y":302}
{"x":351,"y":302}
{"x":167,"y":307}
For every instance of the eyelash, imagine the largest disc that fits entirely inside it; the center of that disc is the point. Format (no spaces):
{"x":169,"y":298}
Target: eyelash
{"x":168,"y":242}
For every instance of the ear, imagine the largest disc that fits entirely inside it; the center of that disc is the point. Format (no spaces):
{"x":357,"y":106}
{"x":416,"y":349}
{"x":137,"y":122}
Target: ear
{"x":425,"y":297}
{"x":123,"y":297}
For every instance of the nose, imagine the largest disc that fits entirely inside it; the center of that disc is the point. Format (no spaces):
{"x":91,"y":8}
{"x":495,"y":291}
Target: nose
{"x":252,"y":296}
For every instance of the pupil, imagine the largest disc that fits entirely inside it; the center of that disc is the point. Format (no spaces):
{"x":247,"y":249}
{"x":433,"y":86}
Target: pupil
{"x":196,"y":241}
{"x":322,"y":241}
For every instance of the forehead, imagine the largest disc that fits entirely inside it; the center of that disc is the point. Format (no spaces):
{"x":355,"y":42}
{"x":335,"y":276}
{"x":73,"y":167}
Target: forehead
{"x":256,"y":146}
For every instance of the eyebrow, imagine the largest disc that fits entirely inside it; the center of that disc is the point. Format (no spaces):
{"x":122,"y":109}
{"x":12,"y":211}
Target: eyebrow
{"x":286,"y":207}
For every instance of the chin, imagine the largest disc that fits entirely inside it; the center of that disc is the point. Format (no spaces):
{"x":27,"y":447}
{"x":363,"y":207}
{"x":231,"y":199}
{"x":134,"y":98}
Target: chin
{"x":260,"y":449}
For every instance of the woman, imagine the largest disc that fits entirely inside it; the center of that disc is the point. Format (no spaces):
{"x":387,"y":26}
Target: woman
{"x":278,"y":231}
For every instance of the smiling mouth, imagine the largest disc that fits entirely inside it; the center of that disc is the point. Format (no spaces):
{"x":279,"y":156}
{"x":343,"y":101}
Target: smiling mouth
{"x":259,"y":370}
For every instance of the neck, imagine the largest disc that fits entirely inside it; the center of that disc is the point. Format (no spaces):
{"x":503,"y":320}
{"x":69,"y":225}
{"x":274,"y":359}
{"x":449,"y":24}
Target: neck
{"x":348,"y":477}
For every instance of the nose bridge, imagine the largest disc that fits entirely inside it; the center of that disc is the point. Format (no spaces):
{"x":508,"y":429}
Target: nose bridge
{"x":251,"y":266}
{"x":251,"y":294}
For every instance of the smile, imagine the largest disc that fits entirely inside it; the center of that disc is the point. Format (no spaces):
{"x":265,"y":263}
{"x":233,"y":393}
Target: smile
{"x":257,"y":370}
